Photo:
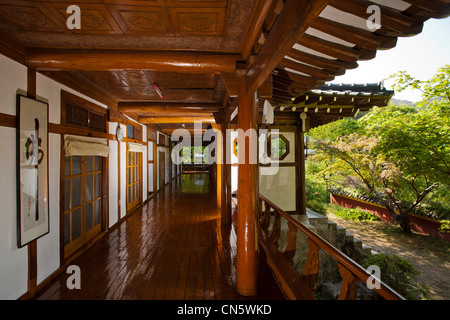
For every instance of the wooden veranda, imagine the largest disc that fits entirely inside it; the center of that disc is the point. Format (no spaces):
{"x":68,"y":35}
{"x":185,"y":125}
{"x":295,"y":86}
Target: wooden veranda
{"x":191,"y":64}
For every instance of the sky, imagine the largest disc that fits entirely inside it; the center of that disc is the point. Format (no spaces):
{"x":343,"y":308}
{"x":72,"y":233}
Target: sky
{"x":420,"y":56}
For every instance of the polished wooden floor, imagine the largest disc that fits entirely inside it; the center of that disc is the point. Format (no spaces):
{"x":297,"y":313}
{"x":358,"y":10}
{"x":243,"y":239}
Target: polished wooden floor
{"x":173,"y":248}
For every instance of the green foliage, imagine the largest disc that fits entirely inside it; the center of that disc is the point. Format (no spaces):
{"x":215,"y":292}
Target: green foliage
{"x":316,"y":193}
{"x":355,"y":214}
{"x":278,"y":148}
{"x":317,"y":206}
{"x":445,"y":226}
{"x":437,"y":86}
{"x":398,"y":154}
{"x":188,"y":155}
{"x":336,"y":129}
{"x":399,"y":274}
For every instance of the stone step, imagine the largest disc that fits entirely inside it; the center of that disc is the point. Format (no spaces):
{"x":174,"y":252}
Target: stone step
{"x":341,"y":230}
{"x":358,"y":243}
{"x":366,"y":249}
{"x":348,"y":236}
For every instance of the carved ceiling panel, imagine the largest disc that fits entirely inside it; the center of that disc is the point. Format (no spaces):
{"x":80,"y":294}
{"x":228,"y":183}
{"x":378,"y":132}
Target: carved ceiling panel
{"x":95,"y":18}
{"x":176,"y":17}
{"x":197,"y":3}
{"x":201,"y":25}
{"x":206,"y":21}
{"x":29,"y":16}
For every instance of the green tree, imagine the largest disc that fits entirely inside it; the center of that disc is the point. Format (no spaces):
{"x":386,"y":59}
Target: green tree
{"x":400,"y":154}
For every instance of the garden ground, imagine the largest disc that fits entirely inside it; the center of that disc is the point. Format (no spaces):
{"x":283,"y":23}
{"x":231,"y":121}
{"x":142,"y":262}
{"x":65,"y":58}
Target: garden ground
{"x":430,"y":256}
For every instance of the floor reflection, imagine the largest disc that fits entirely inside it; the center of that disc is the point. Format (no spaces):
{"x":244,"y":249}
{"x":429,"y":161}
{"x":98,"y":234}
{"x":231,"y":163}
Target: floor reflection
{"x":174,"y":248}
{"x":195,"y":183}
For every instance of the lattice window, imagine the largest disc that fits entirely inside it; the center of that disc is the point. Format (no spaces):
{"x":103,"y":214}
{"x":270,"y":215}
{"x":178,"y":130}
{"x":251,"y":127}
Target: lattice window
{"x":97,"y":122}
{"x":77,"y":116}
{"x":81,"y":113}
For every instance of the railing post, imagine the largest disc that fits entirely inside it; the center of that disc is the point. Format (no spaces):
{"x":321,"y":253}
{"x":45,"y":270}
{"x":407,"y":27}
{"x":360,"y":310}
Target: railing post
{"x":288,"y":250}
{"x":350,"y":271}
{"x":274,"y":235}
{"x":265,"y":220}
{"x":311,"y":268}
{"x":349,"y":282}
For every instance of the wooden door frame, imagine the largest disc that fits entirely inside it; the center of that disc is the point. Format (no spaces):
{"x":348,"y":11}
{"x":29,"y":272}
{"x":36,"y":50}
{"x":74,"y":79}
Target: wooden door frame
{"x":140,"y":184}
{"x":103,"y":205}
{"x":160,"y":163}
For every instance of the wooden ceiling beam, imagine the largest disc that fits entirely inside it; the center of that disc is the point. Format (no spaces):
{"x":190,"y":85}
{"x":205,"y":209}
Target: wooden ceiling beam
{"x":332,"y":49}
{"x":231,"y":82}
{"x":292,"y":22}
{"x":279,"y":81}
{"x":147,"y":120}
{"x":436,"y":8}
{"x":168,"y":107}
{"x":111,"y":60}
{"x":193,"y":132}
{"x":298,"y":78}
{"x":391,"y":19}
{"x":317,"y":73}
{"x":287,"y":89}
{"x":361,"y":38}
{"x":255,"y":26}
{"x":320,"y":62}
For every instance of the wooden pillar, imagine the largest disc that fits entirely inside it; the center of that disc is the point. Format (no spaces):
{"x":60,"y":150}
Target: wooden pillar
{"x":301,"y":189}
{"x":219,"y":166}
{"x":32,"y":246}
{"x":226,"y":177}
{"x":246,"y":224}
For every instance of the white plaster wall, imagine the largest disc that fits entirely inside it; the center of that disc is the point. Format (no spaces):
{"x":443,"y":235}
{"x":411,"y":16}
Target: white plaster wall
{"x":150,"y":166}
{"x":13,"y":76}
{"x":113,"y":167}
{"x":278,"y":183}
{"x":123,"y":176}
{"x":14,"y":261}
{"x":280,"y":188}
{"x":234,"y":160}
{"x":158,"y":161}
{"x":113,"y":182}
{"x":48,"y":259}
{"x":144,"y":165}
{"x":48,"y":254}
{"x":144,"y":174}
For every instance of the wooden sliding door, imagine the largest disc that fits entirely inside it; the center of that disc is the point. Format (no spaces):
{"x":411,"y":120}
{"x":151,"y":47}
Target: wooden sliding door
{"x":162,"y":169}
{"x":134,"y":179}
{"x":82,"y":200}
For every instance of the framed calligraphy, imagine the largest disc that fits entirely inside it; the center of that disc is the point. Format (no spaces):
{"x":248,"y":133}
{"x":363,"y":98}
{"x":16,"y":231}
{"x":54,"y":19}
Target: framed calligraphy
{"x":32,"y":170}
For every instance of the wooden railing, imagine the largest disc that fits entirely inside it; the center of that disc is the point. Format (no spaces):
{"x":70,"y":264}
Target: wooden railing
{"x":303,"y":286}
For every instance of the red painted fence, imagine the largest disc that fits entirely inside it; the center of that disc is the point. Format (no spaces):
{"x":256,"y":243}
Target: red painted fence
{"x":418,"y":223}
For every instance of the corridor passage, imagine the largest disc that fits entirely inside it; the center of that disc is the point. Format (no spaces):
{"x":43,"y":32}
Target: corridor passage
{"x":172,"y":248}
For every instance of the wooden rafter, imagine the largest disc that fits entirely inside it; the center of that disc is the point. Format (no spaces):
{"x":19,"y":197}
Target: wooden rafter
{"x":292,"y":22}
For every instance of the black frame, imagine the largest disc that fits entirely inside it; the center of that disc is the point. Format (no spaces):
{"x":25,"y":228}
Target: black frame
{"x":20,"y":243}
